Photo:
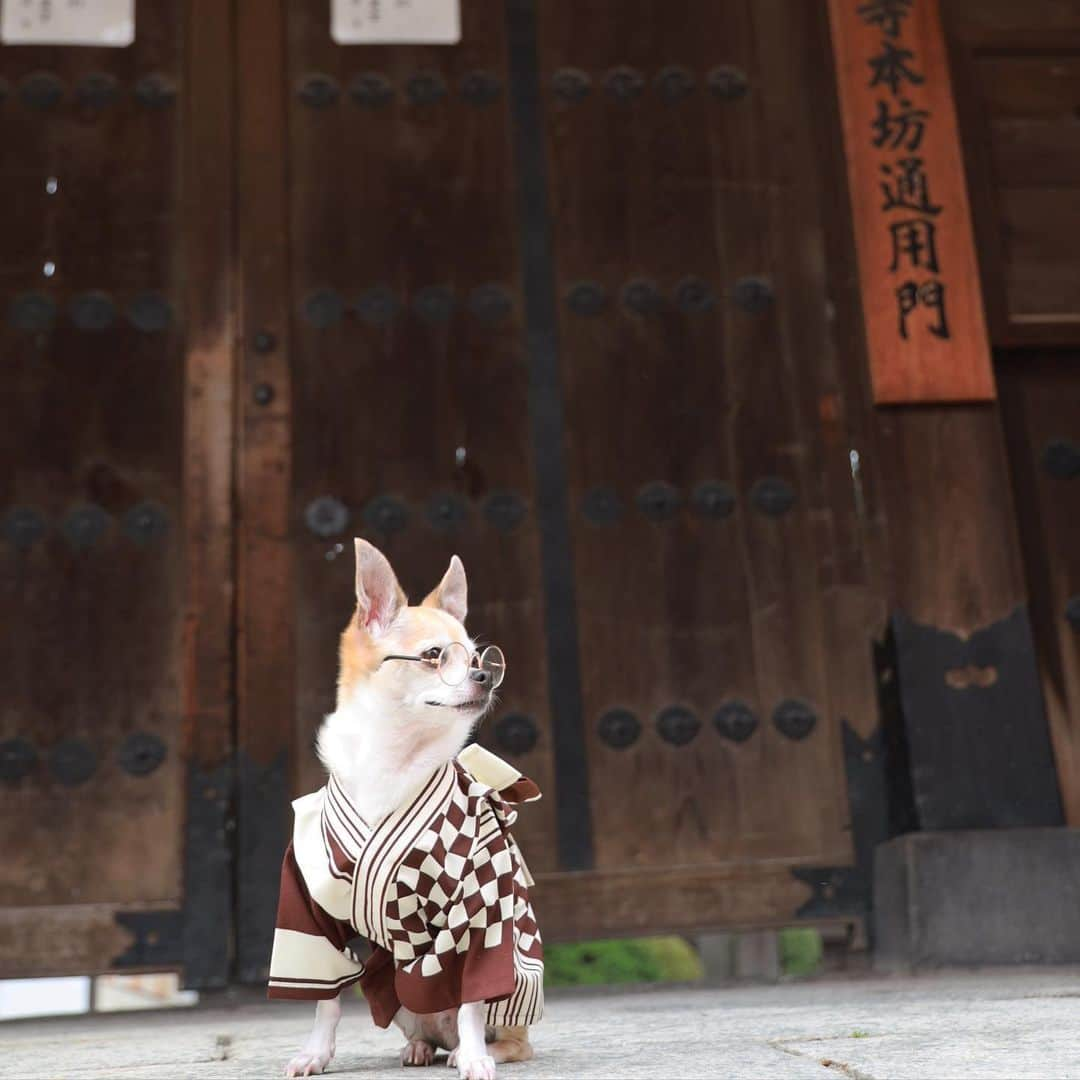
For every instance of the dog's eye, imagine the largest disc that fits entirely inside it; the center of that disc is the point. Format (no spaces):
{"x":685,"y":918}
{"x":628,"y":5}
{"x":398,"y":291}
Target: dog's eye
{"x":432,"y":653}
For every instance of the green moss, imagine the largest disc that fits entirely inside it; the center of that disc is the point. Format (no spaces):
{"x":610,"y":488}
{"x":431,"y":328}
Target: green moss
{"x":800,"y":951}
{"x":655,"y":959}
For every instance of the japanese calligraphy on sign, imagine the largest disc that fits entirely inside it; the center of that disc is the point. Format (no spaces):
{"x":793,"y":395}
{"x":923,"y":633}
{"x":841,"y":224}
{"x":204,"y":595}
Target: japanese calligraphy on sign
{"x":918,"y":273}
{"x":378,"y":22}
{"x":67,"y":22}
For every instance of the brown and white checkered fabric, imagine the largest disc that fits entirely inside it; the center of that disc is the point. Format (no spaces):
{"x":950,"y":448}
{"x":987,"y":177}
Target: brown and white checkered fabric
{"x":438,"y":888}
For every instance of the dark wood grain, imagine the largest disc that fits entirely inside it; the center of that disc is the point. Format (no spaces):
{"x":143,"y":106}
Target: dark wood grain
{"x":1017,"y":82}
{"x":1041,"y":405}
{"x":265,"y":672}
{"x":92,"y":638}
{"x":208,"y":186}
{"x":693,"y":612}
{"x":406,"y":197}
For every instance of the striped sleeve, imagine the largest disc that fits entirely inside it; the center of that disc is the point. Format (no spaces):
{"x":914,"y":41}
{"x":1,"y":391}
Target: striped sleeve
{"x":310,"y":958}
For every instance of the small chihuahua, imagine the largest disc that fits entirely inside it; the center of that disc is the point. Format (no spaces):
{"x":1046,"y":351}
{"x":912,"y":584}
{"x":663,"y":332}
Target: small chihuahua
{"x":402,"y":874}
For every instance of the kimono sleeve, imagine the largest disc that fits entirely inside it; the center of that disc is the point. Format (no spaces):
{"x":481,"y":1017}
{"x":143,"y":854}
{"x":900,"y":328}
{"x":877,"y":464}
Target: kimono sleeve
{"x":310,"y":958}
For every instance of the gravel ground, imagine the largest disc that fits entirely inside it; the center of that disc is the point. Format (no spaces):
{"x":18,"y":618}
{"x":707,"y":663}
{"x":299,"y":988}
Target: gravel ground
{"x":988,"y":1024}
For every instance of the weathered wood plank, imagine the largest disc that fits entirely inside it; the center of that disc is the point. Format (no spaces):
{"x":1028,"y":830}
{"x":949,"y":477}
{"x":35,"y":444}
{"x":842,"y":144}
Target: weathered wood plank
{"x":207,"y":192}
{"x":265,"y":675}
{"x":922,"y":303}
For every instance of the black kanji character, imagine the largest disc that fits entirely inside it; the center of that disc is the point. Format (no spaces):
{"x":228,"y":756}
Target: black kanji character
{"x":887,"y":14}
{"x":900,"y":130}
{"x":890,"y":68}
{"x":906,"y":187}
{"x":930,"y":294}
{"x":914,"y":238}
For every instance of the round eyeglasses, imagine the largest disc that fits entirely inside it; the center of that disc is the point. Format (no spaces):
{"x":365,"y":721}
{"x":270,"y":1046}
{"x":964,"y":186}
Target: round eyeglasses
{"x":455,"y":663}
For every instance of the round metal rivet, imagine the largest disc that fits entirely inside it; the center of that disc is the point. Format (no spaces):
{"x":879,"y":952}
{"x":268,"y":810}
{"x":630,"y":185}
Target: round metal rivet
{"x":92,"y":311}
{"x":141,"y":753}
{"x":72,"y":761}
{"x":32,"y":311}
{"x":794,"y":719}
{"x":23,"y":527}
{"x":677,"y":725}
{"x":446,"y":511}
{"x":18,"y":759}
{"x":97,"y":90}
{"x":149,"y":312}
{"x":385,"y":514}
{"x":772,"y":496}
{"x":713,"y":500}
{"x":619,"y":728}
{"x":1072,"y":612}
{"x":490,"y":303}
{"x":84,"y":526}
{"x":155,"y":91}
{"x":425,"y":88}
{"x":371,"y":90}
{"x":1061,"y":459}
{"x":753,"y":294}
{"x":434,"y":304}
{"x":694,"y":296}
{"x":601,"y":506}
{"x":264,"y":342}
{"x":736,"y":721}
{"x":263,"y":394}
{"x":728,"y":83}
{"x":673,"y":83}
{"x":587,"y":298}
{"x":41,"y":90}
{"x":516,"y":733}
{"x":481,"y":88}
{"x":642,"y":296}
{"x":571,"y":84}
{"x":378,"y":306}
{"x":505,"y":510}
{"x":326,"y":516}
{"x":659,"y":502}
{"x":323,"y":308}
{"x":145,"y":522}
{"x":623,"y":83}
{"x":318,"y":91}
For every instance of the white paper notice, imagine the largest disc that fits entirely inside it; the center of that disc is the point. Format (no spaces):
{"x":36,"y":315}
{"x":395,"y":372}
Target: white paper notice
{"x":67,"y":22}
{"x":401,"y":22}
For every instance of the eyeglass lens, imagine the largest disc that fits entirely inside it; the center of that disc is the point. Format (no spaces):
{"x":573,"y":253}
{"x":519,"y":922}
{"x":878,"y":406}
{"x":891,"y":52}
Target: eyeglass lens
{"x":455,"y":662}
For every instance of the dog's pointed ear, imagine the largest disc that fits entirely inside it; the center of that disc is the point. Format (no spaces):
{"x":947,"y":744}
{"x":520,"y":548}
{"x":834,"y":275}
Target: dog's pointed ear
{"x":379,"y":597}
{"x":452,"y":593}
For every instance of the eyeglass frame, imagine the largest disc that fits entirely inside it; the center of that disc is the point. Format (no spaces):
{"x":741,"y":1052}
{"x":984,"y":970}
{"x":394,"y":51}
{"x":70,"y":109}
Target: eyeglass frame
{"x":436,"y":662}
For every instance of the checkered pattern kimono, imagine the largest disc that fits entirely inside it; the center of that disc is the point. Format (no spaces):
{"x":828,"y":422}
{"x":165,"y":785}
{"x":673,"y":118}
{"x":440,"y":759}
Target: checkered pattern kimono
{"x":426,"y":908}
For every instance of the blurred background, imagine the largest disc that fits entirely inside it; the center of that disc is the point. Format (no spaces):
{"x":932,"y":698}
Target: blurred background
{"x":570,"y":290}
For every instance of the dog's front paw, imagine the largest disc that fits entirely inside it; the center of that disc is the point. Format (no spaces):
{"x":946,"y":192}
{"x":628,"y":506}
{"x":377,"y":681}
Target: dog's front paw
{"x":417,"y":1052}
{"x":477,"y":1068}
{"x":309,"y":1063}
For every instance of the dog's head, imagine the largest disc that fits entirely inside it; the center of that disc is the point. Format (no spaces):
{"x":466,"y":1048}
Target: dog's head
{"x":385,"y":629}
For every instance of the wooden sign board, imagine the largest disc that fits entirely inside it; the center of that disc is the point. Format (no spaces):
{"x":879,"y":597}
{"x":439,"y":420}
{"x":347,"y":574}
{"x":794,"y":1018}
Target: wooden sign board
{"x":67,"y":22}
{"x":918,"y":274}
{"x":395,"y":22}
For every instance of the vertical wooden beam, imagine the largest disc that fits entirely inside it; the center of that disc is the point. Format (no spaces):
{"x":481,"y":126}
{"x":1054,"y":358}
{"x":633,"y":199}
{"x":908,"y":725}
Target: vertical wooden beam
{"x":207,"y":161}
{"x":265,"y":667}
{"x":964,"y":657}
{"x":922,"y":303}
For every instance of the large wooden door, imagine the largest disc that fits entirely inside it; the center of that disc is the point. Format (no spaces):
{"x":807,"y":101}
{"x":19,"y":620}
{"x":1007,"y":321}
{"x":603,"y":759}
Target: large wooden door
{"x":115,"y":581}
{"x":560,"y":299}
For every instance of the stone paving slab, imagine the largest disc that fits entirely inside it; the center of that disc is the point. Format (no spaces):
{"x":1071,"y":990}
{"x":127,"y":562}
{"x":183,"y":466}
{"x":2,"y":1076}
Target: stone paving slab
{"x":992,"y":1024}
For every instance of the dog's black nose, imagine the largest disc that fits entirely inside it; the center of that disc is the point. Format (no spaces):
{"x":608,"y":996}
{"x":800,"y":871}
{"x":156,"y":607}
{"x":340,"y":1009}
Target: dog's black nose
{"x":479,"y":675}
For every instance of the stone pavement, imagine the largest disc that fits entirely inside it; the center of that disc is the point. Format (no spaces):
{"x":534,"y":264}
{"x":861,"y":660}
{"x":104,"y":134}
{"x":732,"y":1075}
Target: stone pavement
{"x":991,"y":1024}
